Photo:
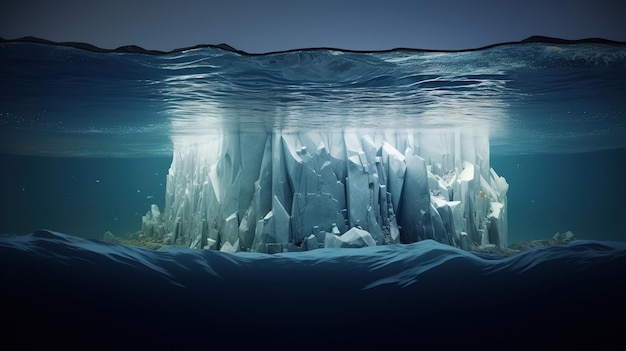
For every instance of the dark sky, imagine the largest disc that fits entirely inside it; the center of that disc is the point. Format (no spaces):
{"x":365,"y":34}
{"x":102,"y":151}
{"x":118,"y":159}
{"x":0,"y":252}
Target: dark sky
{"x":269,"y":25}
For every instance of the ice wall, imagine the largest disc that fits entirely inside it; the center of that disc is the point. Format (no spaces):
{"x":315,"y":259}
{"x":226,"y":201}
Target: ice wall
{"x":300,"y":191}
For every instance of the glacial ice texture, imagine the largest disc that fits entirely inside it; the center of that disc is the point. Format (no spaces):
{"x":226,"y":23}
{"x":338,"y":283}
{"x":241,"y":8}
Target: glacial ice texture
{"x":289,"y":191}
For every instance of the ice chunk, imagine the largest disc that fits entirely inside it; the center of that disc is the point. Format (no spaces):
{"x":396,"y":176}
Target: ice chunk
{"x":357,"y":185}
{"x":152,"y":223}
{"x":230,"y":235}
{"x":228,"y":247}
{"x":395,"y":169}
{"x":354,"y":237}
{"x":310,"y":243}
{"x":414,"y":215}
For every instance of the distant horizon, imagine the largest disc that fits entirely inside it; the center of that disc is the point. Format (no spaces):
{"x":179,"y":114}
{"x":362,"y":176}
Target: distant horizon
{"x":281,"y":25}
{"x":133,"y":48}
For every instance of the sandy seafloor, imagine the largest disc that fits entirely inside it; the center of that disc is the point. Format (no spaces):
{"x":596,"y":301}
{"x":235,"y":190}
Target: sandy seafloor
{"x":71,"y":292}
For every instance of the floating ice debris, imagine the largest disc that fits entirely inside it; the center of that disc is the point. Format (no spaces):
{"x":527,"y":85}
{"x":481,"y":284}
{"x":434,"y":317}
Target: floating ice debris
{"x":152,"y":224}
{"x":247,"y":191}
{"x":354,"y":237}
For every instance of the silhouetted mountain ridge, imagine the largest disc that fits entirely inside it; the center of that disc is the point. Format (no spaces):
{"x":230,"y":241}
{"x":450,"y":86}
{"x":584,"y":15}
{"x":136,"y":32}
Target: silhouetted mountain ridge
{"x":139,"y":50}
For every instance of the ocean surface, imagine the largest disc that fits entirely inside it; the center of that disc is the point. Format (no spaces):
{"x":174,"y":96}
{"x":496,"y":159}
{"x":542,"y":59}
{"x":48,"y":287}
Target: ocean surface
{"x":86,"y":140}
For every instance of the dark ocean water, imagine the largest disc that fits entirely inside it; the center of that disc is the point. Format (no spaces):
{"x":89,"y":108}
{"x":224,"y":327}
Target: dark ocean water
{"x":81,"y":293}
{"x":86,"y":140}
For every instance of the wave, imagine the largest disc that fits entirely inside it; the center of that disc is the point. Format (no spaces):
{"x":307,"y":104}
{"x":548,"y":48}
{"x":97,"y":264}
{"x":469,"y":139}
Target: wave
{"x":424,"y":293}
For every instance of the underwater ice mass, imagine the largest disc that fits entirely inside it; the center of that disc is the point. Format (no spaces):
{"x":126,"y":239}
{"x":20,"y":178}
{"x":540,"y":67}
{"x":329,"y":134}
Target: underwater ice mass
{"x":303,"y":190}
{"x":348,"y":173}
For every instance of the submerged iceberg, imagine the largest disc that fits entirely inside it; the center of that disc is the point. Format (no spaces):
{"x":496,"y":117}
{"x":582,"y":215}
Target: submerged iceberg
{"x":290,"y":191}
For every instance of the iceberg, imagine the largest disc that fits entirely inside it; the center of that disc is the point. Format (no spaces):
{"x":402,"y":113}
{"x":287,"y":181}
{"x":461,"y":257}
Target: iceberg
{"x":293,"y":191}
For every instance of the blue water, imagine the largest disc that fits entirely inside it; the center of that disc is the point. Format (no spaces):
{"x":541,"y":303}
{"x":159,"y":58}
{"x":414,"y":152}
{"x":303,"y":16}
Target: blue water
{"x":86,"y":137}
